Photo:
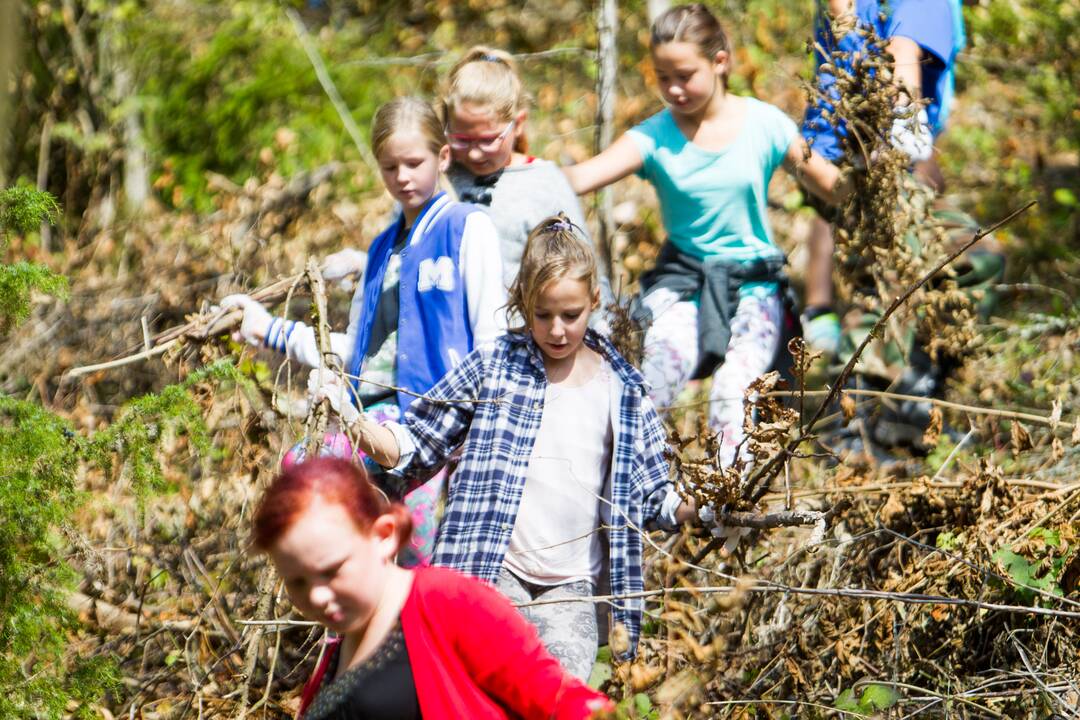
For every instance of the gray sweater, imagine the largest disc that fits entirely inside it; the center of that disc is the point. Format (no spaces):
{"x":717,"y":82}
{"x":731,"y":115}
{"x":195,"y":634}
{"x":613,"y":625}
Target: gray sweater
{"x":522,"y":197}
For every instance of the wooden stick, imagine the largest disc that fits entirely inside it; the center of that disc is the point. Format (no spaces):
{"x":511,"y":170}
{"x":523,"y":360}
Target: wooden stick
{"x":199,"y":327}
{"x":884,"y":394}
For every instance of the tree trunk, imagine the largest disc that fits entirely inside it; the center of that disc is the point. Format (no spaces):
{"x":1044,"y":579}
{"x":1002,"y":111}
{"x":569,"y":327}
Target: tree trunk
{"x":10,"y":24}
{"x":607,"y":17}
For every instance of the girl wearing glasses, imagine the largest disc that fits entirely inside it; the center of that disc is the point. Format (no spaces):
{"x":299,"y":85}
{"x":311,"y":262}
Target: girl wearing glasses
{"x":431,"y":291}
{"x":485,"y":108}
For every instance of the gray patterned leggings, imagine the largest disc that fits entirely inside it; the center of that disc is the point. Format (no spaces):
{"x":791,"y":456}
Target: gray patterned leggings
{"x":568,"y":629}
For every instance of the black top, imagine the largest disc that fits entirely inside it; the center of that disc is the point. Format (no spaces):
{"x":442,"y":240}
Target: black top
{"x":383,"y":325}
{"x":380,"y":688}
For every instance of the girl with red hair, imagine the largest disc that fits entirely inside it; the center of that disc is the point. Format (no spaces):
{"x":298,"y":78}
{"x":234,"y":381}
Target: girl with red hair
{"x":426,"y":643}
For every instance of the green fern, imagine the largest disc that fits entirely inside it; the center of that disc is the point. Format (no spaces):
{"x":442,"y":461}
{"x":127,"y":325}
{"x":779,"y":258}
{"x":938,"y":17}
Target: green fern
{"x":23,"y":208}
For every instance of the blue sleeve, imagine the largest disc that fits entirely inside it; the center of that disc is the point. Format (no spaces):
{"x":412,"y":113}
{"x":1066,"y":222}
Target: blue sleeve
{"x":928,"y":22}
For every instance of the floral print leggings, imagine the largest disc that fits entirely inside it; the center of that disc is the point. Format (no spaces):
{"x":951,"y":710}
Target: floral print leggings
{"x":671,"y":356}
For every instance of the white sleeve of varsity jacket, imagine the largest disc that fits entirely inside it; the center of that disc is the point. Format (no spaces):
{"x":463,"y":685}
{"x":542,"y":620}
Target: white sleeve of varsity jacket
{"x":297,"y":339}
{"x":481,"y":271}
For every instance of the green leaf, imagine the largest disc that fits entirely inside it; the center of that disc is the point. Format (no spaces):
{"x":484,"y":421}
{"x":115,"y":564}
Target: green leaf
{"x":878,"y":697}
{"x":846,"y":701}
{"x":1066,"y":197}
{"x":642,"y":703}
{"x":946,"y":540}
{"x":601,"y":673}
{"x":1050,"y":536}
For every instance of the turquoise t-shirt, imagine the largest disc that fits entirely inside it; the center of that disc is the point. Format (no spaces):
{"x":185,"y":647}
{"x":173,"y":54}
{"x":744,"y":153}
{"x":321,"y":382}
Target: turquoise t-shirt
{"x":713,"y":203}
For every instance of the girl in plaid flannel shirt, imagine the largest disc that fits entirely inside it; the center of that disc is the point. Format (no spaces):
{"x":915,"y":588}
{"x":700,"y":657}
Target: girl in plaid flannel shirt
{"x":553,"y":414}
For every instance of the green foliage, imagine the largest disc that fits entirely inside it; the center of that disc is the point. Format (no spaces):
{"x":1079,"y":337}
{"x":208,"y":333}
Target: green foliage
{"x":874,"y":698}
{"x":39,"y":454}
{"x":40,"y":457}
{"x":215,"y":101}
{"x":23,"y":208}
{"x":145,"y":423}
{"x":1027,"y":53}
{"x":17,"y":282}
{"x":1041,"y":571}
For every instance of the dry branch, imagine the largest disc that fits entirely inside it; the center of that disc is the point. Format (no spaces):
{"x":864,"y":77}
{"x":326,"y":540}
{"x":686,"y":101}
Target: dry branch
{"x":755,"y":487}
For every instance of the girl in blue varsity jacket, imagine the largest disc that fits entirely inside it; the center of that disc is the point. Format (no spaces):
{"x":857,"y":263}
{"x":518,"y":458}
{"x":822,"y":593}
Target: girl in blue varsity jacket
{"x":561,"y":449}
{"x":431,"y":291}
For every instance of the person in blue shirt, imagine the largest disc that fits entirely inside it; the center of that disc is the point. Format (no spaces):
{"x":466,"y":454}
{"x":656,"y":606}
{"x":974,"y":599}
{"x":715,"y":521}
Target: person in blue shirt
{"x":431,"y":291}
{"x":716,"y":296}
{"x":923,"y":37}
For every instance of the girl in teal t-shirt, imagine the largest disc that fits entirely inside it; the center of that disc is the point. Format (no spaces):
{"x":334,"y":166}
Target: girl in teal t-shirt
{"x":714,"y":296}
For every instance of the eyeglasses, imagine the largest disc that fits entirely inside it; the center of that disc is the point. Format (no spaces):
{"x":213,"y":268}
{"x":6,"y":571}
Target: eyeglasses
{"x":483,"y":144}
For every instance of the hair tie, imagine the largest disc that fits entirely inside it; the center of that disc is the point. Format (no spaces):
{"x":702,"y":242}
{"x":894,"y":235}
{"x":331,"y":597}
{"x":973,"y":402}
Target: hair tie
{"x":563,"y":225}
{"x":491,"y":58}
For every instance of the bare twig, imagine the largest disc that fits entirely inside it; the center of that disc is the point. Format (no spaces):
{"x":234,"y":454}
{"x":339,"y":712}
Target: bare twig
{"x":906,"y":598}
{"x":787,"y":518}
{"x":319,"y":415}
{"x":330,"y":88}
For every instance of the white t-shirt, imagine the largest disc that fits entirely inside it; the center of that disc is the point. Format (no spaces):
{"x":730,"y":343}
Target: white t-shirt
{"x":556,"y":536}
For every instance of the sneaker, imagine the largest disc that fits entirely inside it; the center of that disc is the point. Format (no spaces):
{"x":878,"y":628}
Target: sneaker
{"x":822,"y":333}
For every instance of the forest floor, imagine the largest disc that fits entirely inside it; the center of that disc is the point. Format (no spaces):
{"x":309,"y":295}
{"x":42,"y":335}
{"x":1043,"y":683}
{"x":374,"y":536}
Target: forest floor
{"x":946,"y":584}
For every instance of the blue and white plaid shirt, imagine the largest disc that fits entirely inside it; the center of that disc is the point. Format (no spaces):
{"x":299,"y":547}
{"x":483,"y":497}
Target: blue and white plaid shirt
{"x":497,"y":439}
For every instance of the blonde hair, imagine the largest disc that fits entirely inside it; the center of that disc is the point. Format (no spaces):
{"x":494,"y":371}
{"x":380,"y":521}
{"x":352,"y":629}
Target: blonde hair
{"x":693,"y":23}
{"x":487,"y":77}
{"x":553,"y":251}
{"x":405,"y":114}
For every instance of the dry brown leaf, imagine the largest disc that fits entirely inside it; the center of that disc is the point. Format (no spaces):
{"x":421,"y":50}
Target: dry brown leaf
{"x":893,"y":507}
{"x":1020,"y":438}
{"x":933,"y":430}
{"x":1076,"y":432}
{"x":642,"y":677}
{"x":847,"y":404}
{"x":678,"y":689}
{"x":1057,"y":449}
{"x":1055,"y":414}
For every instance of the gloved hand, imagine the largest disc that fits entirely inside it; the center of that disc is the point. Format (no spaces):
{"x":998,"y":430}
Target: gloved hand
{"x":256,"y":321}
{"x":343,"y":264}
{"x":731,"y":535}
{"x":911,"y":133}
{"x":324,"y":384}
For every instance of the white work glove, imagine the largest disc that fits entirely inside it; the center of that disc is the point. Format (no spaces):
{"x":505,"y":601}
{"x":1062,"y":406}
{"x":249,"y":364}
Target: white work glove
{"x":342,"y":265}
{"x":256,"y":321}
{"x":911,"y":133}
{"x":731,"y":535}
{"x":323,"y":384}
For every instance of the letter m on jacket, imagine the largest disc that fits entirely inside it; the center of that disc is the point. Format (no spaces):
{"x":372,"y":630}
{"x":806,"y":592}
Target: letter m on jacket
{"x":438,"y":273}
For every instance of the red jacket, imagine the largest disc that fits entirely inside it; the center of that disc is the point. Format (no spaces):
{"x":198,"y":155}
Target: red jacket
{"x":474,"y":656}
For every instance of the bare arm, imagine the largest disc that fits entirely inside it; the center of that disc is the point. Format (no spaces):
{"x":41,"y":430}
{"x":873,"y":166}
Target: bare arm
{"x":840,"y":7}
{"x":687,"y":512}
{"x":616,"y":162}
{"x":907,"y":66}
{"x":815,"y":173}
{"x":377,"y":441}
